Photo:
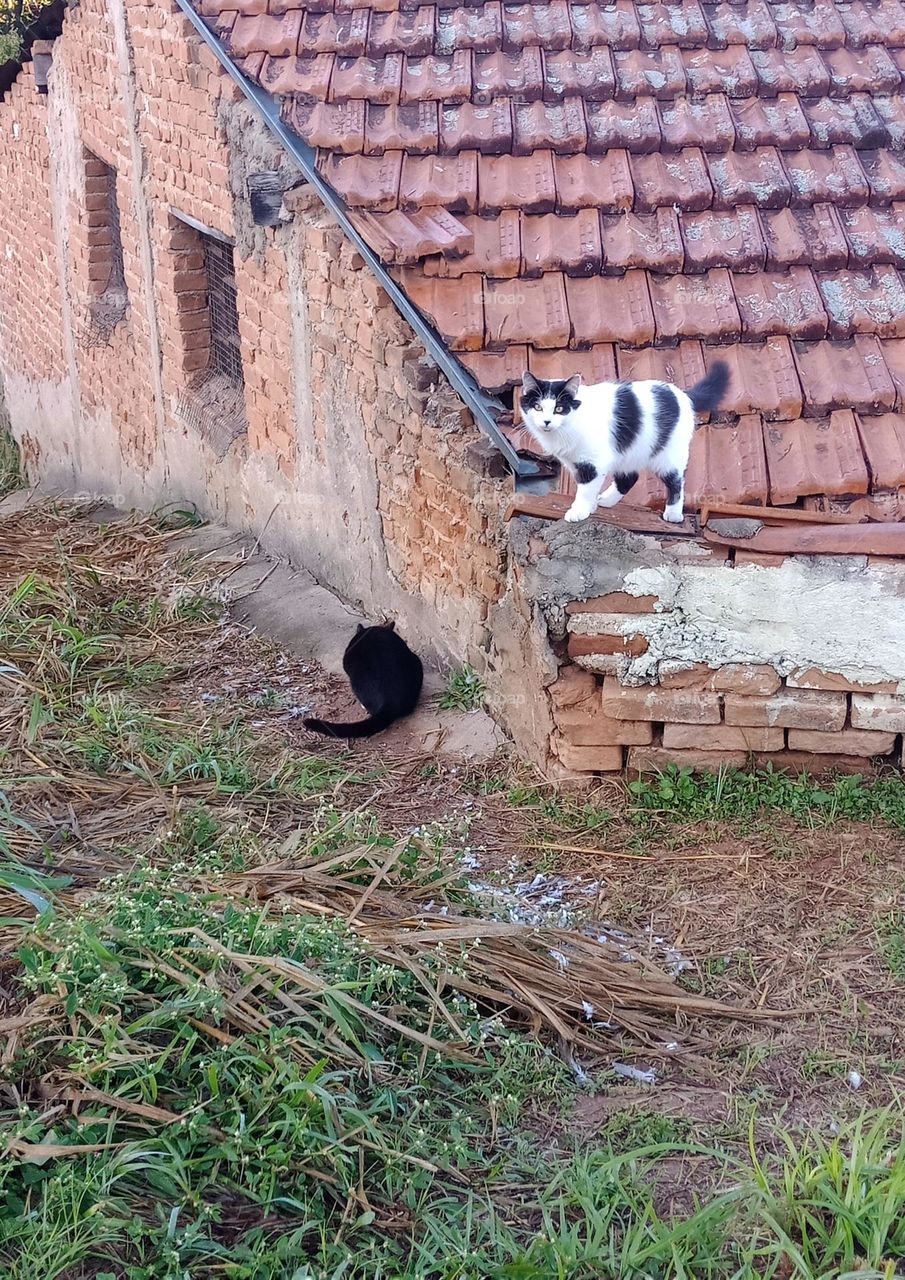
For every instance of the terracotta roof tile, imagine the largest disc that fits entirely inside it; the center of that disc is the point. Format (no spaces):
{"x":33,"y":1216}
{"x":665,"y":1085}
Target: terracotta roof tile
{"x":893,"y":357}
{"x":780,"y":302}
{"x":885,"y":173}
{"x":465,"y":126}
{"x":749,"y":23}
{"x":598,"y":364}
{"x":826,"y":177}
{"x":408,"y":237}
{"x":438,"y":77}
{"x":319,"y":123}
{"x":405,"y":31}
{"x":374,"y":79}
{"x":495,"y":248}
{"x":683,"y":365}
{"x":527,"y":310}
{"x":701,"y":306}
{"x":570,"y":245}
{"x":851,"y":121}
{"x":875,"y":236}
{"x":456,"y":307}
{"x":411,"y":127}
{"x":450,"y":181}
{"x":673,"y":178}
{"x":728,"y":463}
{"x":517,"y":182}
{"x":867,"y":70}
{"x":627,"y":126}
{"x":479,"y":29}
{"x":611,"y":309}
{"x":850,"y":375}
{"x":728,"y":71}
{"x":883,"y":441}
{"x":798,"y":236}
{"x":891,"y":111}
{"x":615,"y":25}
{"x":546,"y":25}
{"x":679,"y":22}
{"x":497,"y":370}
{"x":654,"y":73}
{"x":345,"y":33}
{"x":760,"y":122}
{"x":807,"y":457}
{"x":366,"y":182}
{"x":722,"y":239}
{"x":558,"y":125}
{"x":264,"y":34}
{"x":589,"y":74}
{"x":749,"y":177}
{"x":763,"y":378}
{"x":697,"y":122}
{"x":876,"y":22}
{"x":800,"y":70}
{"x":643,"y":240}
{"x":306,"y":79}
{"x":817,"y":24}
{"x":594,"y":182}
{"x":870,"y":301}
{"x":519,"y":75}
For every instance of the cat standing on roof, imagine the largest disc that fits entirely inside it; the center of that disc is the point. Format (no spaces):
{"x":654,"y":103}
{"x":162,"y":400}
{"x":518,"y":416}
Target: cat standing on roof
{"x":619,"y":429}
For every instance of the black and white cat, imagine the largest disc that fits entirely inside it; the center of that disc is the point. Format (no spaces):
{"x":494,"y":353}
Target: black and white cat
{"x":386,"y":678}
{"x":619,"y":429}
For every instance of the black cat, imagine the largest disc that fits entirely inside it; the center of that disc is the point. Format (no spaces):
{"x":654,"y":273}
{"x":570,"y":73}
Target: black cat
{"x":386,"y":678}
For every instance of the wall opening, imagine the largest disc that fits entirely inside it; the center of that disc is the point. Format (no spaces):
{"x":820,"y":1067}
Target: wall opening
{"x":109,"y":297}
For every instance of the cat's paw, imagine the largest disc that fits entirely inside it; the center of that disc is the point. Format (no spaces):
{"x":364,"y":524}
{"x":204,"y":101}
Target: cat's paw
{"x":576,"y":513}
{"x":674,"y":515}
{"x":609,"y":497}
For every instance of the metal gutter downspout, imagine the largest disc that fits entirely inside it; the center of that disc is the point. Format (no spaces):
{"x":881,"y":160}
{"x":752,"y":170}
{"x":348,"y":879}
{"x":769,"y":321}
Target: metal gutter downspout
{"x":477,"y":400}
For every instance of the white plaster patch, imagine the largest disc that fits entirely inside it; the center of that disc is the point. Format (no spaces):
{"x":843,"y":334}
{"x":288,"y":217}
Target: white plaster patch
{"x":837,"y":613}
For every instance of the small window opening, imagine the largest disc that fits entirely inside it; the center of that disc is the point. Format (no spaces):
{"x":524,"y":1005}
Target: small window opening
{"x":226,"y":352}
{"x":106,"y":272}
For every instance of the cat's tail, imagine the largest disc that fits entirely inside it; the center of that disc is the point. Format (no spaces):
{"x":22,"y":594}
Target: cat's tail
{"x":707,"y":394}
{"x":356,"y":729}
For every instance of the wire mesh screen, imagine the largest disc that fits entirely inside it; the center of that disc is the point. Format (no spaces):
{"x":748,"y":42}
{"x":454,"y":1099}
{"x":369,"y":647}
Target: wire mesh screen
{"x":213,"y":403}
{"x":110,"y":302}
{"x":226,"y":357}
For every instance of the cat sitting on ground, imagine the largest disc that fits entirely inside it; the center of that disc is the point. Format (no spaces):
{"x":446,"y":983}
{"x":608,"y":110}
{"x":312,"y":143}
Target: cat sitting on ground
{"x":619,"y":429}
{"x":386,"y":678}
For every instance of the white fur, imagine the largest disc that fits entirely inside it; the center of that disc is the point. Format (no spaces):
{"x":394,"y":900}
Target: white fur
{"x":586,"y":435}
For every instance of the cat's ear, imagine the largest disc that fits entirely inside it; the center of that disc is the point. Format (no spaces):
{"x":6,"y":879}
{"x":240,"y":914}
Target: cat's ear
{"x":391,"y":625}
{"x":529,"y":383}
{"x":359,"y":629}
{"x":571,"y":387}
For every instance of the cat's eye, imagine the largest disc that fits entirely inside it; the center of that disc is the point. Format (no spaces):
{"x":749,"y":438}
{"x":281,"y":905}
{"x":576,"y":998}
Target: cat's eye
{"x":560,"y":408}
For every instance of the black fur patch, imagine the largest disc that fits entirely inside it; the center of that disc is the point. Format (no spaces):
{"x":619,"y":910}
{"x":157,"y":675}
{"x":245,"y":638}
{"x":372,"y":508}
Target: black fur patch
{"x":624,"y":482}
{"x":550,"y":389}
{"x":666,"y":414}
{"x":673,"y":482}
{"x":626,"y":417}
{"x":585,"y":472}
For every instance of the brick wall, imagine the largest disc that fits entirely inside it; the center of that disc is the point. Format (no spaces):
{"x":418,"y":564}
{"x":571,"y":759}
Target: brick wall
{"x":354,"y":456}
{"x":705,"y":716}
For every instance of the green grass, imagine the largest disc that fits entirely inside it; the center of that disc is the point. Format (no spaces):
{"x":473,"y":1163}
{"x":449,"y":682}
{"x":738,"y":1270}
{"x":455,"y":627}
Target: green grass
{"x":10,"y":469}
{"x":10,"y":46}
{"x":892,"y":944}
{"x":465,"y":691}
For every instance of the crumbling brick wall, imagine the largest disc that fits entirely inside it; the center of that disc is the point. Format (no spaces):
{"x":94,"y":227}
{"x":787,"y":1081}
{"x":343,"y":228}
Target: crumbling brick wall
{"x":354,"y":455}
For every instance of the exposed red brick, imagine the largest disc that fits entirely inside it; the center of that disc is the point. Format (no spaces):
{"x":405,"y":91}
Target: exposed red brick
{"x":780,"y":302}
{"x":826,"y":177}
{"x":629,"y":646}
{"x":594,"y":182}
{"x":517,"y":182}
{"x":650,"y":702}
{"x":585,"y":74}
{"x":611,"y":309}
{"x":727,"y":464}
{"x":589,"y":759}
{"x":814,"y":678}
{"x":658,"y":759}
{"x":677,"y":180}
{"x":851,"y":374}
{"x":722,"y":737}
{"x":571,"y":245}
{"x":573,"y":686}
{"x":883,"y":712}
{"x":589,"y":727}
{"x":789,"y":709}
{"x":614,"y":602}
{"x":631,"y":127}
{"x":871,"y":301}
{"x":695,"y":306}
{"x":815,"y":457}
{"x":527,"y":311}
{"x":643,"y":240}
{"x":721,"y":239}
{"x":854,"y":742}
{"x":655,"y":73}
{"x":735,"y":677}
{"x":762,"y":378}
{"x":804,"y":236}
{"x":815,"y":765}
{"x":704,"y":122}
